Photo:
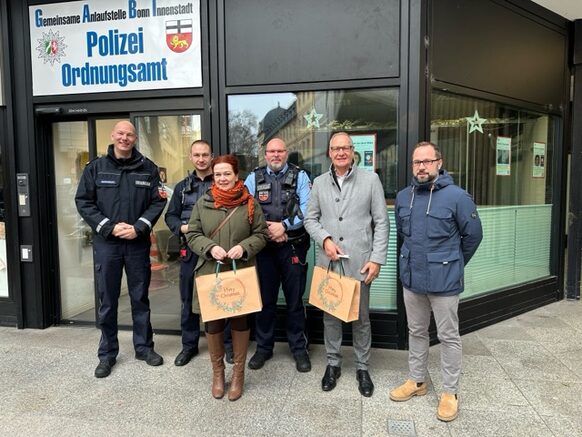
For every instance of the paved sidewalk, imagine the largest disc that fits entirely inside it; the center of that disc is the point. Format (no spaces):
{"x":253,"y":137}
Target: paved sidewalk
{"x":521,"y":377}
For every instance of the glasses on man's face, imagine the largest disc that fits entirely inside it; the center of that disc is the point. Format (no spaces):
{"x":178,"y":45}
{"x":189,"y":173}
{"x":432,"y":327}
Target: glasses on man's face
{"x":338,"y":149}
{"x":273,"y":152}
{"x":425,"y":162}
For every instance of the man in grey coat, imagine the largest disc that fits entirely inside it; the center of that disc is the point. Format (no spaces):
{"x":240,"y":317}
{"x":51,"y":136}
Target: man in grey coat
{"x":346,"y":216}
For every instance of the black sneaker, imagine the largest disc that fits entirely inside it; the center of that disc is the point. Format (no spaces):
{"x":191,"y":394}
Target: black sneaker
{"x":302,"y":362}
{"x":258,"y":359}
{"x":150,"y":357}
{"x":185,"y":356}
{"x":103,"y":369}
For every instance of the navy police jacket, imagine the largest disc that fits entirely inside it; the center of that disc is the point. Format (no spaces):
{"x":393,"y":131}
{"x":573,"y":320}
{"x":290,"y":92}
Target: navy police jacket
{"x":440,"y":230}
{"x":115,"y":190}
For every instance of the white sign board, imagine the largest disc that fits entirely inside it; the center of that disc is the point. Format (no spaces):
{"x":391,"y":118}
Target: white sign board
{"x":111,"y":45}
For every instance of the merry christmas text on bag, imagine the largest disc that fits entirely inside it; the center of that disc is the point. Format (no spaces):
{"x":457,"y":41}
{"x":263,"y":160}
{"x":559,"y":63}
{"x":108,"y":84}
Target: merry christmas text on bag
{"x":228,"y":294}
{"x":335,"y":293}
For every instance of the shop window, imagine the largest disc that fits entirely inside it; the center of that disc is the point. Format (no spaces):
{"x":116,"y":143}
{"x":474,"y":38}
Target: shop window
{"x":306,"y":121}
{"x":500,"y":155}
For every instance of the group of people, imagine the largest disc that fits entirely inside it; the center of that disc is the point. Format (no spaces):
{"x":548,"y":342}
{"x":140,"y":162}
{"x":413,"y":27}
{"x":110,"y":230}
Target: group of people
{"x":269,"y":221}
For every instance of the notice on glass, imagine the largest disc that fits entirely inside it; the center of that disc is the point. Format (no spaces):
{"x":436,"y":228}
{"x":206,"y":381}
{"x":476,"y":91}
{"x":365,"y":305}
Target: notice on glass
{"x":539,"y":160}
{"x":503,"y":167}
{"x":364,"y":151}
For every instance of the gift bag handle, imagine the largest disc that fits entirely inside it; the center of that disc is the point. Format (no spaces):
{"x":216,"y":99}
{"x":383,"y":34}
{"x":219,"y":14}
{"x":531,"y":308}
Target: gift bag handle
{"x":219,"y":263}
{"x":342,"y":271}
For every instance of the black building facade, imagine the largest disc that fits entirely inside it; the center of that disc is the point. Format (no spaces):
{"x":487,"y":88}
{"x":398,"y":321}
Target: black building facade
{"x":487,"y":80}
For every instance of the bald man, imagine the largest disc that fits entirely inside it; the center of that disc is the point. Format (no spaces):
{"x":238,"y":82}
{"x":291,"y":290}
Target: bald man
{"x":118,"y":196}
{"x":282,"y":189}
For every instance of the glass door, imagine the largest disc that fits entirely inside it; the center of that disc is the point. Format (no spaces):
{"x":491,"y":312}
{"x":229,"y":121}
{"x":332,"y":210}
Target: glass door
{"x":166,"y":140}
{"x":71,"y":153}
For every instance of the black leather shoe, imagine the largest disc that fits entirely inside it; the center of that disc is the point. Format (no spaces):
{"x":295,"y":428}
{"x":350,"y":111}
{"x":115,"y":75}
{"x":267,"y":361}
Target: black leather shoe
{"x":365,"y":384}
{"x":258,"y":359}
{"x":150,"y":357}
{"x":185,"y":356}
{"x":103,"y":369}
{"x":229,"y":355}
{"x":302,"y":362}
{"x":332,"y":374}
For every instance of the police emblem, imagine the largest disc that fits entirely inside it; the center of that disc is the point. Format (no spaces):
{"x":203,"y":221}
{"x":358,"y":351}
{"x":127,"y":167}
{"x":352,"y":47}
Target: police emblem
{"x":263,"y":196}
{"x":51,"y":47}
{"x":179,"y":35}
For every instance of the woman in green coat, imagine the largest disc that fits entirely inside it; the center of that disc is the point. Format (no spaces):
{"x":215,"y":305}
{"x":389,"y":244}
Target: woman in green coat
{"x":240,"y":239}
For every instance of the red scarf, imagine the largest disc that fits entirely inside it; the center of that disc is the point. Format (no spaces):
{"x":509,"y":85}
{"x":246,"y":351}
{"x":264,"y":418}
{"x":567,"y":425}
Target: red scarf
{"x":236,"y":196}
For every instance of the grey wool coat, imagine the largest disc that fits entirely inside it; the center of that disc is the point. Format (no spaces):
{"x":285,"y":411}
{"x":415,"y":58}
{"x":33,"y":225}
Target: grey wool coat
{"x":355,"y":217}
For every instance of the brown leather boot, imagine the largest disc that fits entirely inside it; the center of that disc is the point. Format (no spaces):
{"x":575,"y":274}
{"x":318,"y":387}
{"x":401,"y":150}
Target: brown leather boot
{"x":240,"y":346}
{"x":216,"y":350}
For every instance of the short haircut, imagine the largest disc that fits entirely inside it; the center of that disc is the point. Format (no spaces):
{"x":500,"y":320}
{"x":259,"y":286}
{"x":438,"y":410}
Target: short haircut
{"x":337,"y":134}
{"x":201,"y":142}
{"x":226,"y":159}
{"x":437,"y":151}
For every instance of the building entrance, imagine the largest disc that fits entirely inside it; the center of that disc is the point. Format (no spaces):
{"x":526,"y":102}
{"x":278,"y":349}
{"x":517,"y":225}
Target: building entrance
{"x":165,"y":139}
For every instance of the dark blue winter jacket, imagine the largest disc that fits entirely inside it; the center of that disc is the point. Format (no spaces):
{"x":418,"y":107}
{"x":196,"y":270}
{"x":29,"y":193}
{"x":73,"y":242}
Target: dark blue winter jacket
{"x":440,"y":230}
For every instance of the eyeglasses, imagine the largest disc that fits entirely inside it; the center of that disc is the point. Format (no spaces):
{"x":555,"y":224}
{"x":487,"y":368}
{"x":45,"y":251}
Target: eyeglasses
{"x":425,"y":162}
{"x":337,"y":149}
{"x":272,"y":152}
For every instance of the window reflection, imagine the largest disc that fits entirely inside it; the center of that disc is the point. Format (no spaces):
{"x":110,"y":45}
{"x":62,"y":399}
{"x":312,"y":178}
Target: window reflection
{"x":490,"y":150}
{"x":306,"y":121}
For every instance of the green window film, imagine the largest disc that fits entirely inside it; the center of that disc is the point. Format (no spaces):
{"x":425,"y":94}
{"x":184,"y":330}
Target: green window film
{"x":502,"y":156}
{"x":515,"y":248}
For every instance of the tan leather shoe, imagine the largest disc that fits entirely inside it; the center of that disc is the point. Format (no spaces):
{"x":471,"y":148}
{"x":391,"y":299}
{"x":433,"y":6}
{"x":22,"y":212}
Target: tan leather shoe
{"x":407,"y":390}
{"x":448,"y":407}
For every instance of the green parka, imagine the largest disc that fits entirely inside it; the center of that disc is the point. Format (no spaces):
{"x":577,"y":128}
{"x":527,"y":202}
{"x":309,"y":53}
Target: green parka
{"x":205,"y":219}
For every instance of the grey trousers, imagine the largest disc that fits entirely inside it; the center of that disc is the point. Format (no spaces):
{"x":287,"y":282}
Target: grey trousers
{"x":361,"y":333}
{"x":444,"y":308}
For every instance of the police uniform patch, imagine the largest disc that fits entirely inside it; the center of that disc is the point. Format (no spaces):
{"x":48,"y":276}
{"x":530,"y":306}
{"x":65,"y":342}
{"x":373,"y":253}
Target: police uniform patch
{"x":474,"y":214}
{"x":263,"y":196}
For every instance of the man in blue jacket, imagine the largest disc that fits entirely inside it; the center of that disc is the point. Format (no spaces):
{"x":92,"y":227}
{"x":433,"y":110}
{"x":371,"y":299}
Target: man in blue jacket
{"x":118,"y":196}
{"x":441,"y":230}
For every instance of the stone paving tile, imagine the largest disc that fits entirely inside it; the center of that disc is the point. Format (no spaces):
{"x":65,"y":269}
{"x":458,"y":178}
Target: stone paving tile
{"x":553,"y":398}
{"x":512,"y":423}
{"x":376,"y":415}
{"x":572,"y":360}
{"x":528,"y":360}
{"x":507,"y":330}
{"x":520,"y":377}
{"x":317,"y":416}
{"x":564,"y":426}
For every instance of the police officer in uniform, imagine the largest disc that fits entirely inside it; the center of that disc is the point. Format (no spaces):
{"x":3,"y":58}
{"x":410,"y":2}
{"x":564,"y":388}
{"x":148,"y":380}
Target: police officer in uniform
{"x":186,"y":194}
{"x":119,"y":198}
{"x":282,"y":189}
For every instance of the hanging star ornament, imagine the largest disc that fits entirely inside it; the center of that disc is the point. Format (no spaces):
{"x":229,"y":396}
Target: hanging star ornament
{"x":475,"y":122}
{"x":312,"y":119}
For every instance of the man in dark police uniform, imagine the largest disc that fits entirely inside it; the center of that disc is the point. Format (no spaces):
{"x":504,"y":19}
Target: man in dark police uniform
{"x":186,"y":194}
{"x":283,"y":191}
{"x":118,"y":196}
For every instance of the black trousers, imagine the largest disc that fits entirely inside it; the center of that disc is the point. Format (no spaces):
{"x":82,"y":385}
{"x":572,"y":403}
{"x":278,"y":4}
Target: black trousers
{"x":284,"y":265}
{"x":110,"y":258}
{"x":189,"y":321}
